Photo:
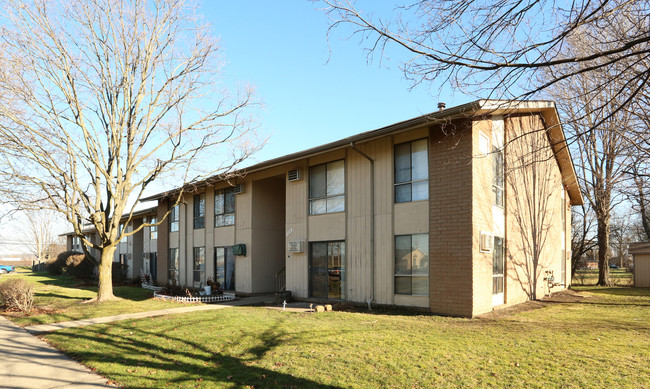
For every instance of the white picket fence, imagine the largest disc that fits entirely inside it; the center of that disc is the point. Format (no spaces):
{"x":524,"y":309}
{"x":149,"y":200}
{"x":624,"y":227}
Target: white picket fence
{"x":226,"y":296}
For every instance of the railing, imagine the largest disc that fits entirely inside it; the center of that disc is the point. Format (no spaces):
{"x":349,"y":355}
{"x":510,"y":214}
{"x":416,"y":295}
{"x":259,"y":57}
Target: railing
{"x":281,"y":280}
{"x":226,"y":296}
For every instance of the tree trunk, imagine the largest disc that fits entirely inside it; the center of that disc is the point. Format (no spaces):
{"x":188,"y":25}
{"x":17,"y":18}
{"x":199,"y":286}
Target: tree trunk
{"x":105,"y":289}
{"x":603,"y":249}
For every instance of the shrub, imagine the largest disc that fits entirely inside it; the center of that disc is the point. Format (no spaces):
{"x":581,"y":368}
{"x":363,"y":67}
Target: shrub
{"x":17,"y":294}
{"x":55,"y":266}
{"x":78,"y":266}
{"x":73,"y":263}
{"x":119,"y":272}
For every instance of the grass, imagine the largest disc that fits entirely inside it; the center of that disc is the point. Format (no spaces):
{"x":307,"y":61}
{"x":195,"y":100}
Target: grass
{"x":600,"y":338}
{"x":60,"y":298}
{"x":618,"y":277}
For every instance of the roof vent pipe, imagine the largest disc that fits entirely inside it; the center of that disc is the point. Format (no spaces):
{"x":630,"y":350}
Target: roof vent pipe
{"x":441,"y":106}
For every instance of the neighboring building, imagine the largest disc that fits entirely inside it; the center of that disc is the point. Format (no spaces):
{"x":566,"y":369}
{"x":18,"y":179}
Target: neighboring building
{"x":641,"y":255}
{"x":429,"y":212}
{"x":138,"y":251}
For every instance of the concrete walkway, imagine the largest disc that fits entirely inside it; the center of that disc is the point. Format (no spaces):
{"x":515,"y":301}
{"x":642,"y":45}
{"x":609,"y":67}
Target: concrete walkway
{"x":43,"y":328}
{"x":28,"y":362}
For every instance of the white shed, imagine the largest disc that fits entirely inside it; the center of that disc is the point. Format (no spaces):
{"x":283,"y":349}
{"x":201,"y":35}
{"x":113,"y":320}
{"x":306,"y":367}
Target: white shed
{"x":641,"y":254}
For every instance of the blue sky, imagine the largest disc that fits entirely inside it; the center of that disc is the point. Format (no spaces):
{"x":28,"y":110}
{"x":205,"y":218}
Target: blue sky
{"x":313,"y":92}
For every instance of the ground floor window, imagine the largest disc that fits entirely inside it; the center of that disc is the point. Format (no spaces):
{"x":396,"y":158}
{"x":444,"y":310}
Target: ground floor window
{"x":199,"y":266}
{"x":224,"y":267}
{"x":412,"y":264}
{"x":327,"y":270}
{"x":174,"y":266}
{"x":498,"y":262}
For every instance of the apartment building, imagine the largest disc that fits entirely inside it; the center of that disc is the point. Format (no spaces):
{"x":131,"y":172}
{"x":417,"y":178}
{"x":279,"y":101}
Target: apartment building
{"x":460,"y":211}
{"x":138,"y":251}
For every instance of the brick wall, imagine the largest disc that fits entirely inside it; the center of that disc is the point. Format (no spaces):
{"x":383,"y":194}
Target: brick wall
{"x":450,"y":239}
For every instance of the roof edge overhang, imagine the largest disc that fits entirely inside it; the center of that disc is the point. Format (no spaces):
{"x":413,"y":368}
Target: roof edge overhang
{"x":476,"y":108}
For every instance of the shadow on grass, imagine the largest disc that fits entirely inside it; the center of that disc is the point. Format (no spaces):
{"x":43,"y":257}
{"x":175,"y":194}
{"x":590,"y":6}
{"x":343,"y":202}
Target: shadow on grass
{"x":179,"y":361}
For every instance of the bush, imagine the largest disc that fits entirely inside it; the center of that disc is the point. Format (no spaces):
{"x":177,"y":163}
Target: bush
{"x":55,"y":266}
{"x":78,"y":266}
{"x":17,"y":294}
{"x":119,"y":272}
{"x":73,"y":263}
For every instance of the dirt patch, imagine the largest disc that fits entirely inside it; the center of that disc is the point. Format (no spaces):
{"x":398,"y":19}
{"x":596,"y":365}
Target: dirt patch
{"x":565,"y":296}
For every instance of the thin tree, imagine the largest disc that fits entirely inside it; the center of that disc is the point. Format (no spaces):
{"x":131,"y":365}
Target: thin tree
{"x":534,"y":187}
{"x":102,"y":98}
{"x":39,"y":234}
{"x":504,"y":48}
{"x":582,"y":235}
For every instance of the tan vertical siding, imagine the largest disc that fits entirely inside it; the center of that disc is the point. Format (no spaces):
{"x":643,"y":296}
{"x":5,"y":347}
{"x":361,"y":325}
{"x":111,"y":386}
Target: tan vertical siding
{"x":482,"y":217}
{"x":642,"y":270}
{"x":296,"y":230}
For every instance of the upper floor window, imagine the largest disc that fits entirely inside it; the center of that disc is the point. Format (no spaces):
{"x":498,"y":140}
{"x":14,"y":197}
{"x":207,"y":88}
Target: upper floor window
{"x":224,"y":207}
{"x":174,"y":218}
{"x":327,"y":188}
{"x":199,"y":211}
{"x":497,"y":184}
{"x":153,"y":230}
{"x":411,"y":171}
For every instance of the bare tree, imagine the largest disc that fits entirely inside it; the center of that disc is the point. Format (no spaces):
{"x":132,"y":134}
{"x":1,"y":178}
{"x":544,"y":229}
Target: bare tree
{"x":101,"y":98}
{"x":39,"y":234}
{"x":604,"y":153}
{"x":583,"y":238}
{"x":505,"y":47}
{"x":533,"y":192}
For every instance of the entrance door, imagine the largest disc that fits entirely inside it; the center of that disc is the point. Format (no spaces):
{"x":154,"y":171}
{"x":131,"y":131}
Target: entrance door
{"x":498,"y":262}
{"x":224,"y":267}
{"x":327,"y":270}
{"x":153,"y":265}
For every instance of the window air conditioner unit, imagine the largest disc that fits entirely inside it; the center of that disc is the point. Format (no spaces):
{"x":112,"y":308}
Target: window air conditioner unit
{"x":487,"y":241}
{"x":294,"y":175}
{"x":239,"y":189}
{"x":296,"y":246}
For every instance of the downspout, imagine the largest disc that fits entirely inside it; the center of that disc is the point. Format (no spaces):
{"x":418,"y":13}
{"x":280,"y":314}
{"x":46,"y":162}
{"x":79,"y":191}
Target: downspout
{"x":372,"y":222}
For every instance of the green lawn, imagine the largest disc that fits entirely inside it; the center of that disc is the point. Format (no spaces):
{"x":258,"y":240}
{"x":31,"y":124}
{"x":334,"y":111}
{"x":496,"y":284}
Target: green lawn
{"x":60,"y":298}
{"x":601,"y":339}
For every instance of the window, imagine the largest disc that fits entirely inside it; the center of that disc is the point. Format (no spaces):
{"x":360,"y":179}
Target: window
{"x":327,"y":188}
{"x":412,"y":264}
{"x":153,"y":230}
{"x":121,"y":228}
{"x":224,"y":207}
{"x":199,"y":211}
{"x":498,"y":262}
{"x":411,"y":171}
{"x":497,"y":183}
{"x":199,"y":265}
{"x":174,"y":267}
{"x":327,"y":270}
{"x":174,"y":219}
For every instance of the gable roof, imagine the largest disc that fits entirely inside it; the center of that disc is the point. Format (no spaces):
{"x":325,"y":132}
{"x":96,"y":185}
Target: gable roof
{"x":481,"y":107}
